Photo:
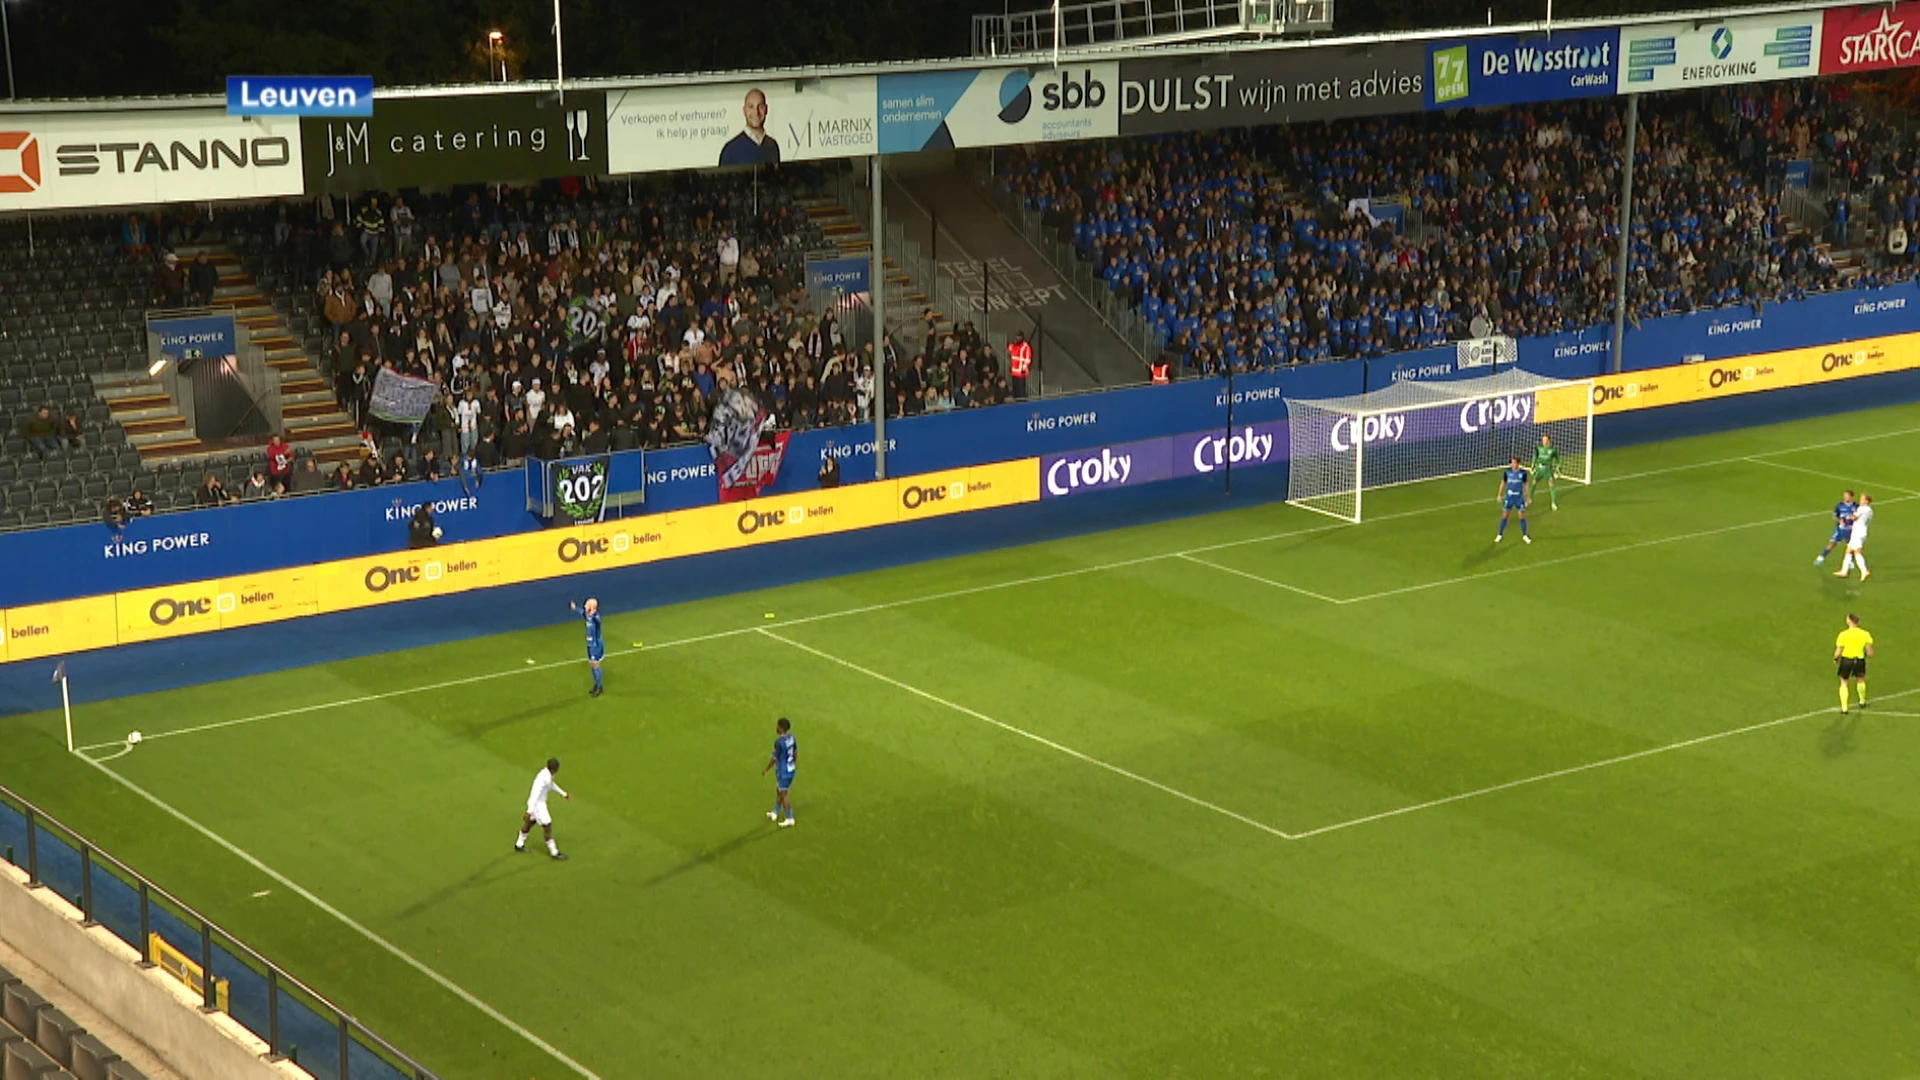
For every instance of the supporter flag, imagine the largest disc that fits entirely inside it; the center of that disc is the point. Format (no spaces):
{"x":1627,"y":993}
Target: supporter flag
{"x":401,"y":399}
{"x":744,"y":462}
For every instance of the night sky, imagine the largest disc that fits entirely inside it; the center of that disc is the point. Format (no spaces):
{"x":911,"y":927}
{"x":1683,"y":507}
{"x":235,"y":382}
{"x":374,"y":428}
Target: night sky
{"x":99,"y":48}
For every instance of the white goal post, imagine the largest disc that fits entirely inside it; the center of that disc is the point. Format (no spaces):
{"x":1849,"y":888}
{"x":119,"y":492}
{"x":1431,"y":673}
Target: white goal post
{"x":1413,"y":431}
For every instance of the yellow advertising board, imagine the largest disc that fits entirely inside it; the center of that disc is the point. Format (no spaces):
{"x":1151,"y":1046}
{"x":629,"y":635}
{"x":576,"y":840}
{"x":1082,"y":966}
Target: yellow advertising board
{"x":1710,"y":380}
{"x":172,"y":611}
{"x":64,"y":626}
{"x":268,"y":597}
{"x":957,"y":491}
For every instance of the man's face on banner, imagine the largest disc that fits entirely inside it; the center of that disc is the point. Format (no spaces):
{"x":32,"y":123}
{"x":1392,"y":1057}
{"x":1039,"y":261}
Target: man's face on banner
{"x":755,"y":111}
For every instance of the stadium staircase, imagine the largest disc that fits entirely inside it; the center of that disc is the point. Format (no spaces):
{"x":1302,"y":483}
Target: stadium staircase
{"x":849,"y":236}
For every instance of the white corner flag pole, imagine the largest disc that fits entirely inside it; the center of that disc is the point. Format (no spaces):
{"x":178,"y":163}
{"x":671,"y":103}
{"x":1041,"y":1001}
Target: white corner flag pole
{"x":66,"y":699}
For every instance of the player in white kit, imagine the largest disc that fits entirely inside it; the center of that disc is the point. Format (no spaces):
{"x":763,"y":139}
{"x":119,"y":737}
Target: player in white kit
{"x":1857,"y":540}
{"x":544,"y":784}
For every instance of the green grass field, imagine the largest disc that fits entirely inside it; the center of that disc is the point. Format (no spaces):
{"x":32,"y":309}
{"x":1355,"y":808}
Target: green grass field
{"x":1250,"y":794}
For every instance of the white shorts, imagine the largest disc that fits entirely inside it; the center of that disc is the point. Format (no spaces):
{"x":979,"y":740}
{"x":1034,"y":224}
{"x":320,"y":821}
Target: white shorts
{"x":538,"y":812}
{"x":1857,"y":540}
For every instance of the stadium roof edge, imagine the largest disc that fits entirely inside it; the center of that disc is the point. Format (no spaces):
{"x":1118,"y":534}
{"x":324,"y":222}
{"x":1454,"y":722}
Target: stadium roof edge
{"x":895,"y":67}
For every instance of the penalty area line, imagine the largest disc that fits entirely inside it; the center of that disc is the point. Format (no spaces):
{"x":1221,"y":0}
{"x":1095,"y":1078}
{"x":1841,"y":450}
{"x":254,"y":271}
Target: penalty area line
{"x":1028,"y":735}
{"x":347,"y":920}
{"x":1592,"y":765}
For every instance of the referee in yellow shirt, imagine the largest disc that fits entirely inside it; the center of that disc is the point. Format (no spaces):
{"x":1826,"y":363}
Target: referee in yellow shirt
{"x":1851,"y":650}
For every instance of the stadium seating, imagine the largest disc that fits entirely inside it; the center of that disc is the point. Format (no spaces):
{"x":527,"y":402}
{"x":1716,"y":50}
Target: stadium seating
{"x":1260,"y":247}
{"x":39,"y":1042}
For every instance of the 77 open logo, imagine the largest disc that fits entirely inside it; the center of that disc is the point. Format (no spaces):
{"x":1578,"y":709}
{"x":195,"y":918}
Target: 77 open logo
{"x":19,"y":163}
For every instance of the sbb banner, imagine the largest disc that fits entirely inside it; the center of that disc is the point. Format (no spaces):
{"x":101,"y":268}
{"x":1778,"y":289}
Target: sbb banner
{"x":457,"y":139}
{"x":1672,"y":56}
{"x":65,"y":160}
{"x":1510,"y":69}
{"x":1869,"y":38}
{"x":945,"y":110}
{"x":1280,"y":86}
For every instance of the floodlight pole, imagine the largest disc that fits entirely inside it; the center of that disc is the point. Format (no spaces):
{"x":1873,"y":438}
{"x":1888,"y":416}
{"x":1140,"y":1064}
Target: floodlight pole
{"x":6,"y":33}
{"x":1626,"y":236}
{"x":877,"y":297}
{"x":559,"y":56}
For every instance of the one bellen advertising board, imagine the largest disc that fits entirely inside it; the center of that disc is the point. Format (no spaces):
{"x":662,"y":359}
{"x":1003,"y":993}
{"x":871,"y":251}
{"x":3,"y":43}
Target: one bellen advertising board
{"x":752,"y":123}
{"x":944,"y":110}
{"x":1759,"y":48}
{"x":75,"y":160}
{"x":1869,"y":38}
{"x":1279,"y":86}
{"x":459,"y":139}
{"x":1511,"y":69}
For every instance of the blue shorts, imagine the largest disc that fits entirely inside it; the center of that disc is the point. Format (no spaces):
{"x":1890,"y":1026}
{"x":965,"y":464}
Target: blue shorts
{"x":1514,"y":502}
{"x":596,"y":653}
{"x":782,"y":780}
{"x":1840,"y":535}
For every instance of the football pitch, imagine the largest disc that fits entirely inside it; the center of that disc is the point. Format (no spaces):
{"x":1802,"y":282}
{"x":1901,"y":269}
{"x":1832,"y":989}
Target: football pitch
{"x":1249,"y":794}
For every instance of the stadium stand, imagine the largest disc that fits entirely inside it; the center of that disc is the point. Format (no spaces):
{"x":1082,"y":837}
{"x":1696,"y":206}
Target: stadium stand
{"x":41,"y":1042}
{"x":1258,"y":247}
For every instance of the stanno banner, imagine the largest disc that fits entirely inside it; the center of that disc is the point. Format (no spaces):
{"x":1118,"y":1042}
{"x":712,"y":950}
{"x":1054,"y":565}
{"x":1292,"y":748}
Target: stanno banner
{"x":68,"y":160}
{"x":1281,"y":86}
{"x":458,"y":139}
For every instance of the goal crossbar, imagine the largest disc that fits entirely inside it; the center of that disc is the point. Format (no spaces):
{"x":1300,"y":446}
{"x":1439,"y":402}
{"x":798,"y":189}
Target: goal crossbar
{"x":1417,"y":431}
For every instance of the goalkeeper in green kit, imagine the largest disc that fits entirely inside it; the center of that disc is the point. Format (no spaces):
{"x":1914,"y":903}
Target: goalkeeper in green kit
{"x":1546,"y":462}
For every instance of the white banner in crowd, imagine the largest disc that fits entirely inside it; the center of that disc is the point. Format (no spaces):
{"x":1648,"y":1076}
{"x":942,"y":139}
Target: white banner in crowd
{"x":50,"y":162}
{"x":749,"y":123}
{"x":1760,"y":48}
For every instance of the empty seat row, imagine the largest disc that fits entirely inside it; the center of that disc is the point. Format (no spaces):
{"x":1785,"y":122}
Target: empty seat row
{"x":39,"y":1042}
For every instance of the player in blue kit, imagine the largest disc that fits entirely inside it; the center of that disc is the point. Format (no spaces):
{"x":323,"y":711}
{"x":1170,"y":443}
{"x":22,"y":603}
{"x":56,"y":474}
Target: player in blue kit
{"x":1843,"y":512}
{"x":785,"y":756}
{"x":596,"y":650}
{"x":1513,"y":499}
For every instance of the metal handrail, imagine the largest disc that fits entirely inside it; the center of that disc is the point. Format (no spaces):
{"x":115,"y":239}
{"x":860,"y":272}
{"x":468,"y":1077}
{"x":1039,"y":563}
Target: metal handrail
{"x":1094,"y":24}
{"x":207,"y":931}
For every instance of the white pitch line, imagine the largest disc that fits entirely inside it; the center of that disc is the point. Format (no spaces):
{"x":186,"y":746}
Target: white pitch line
{"x":1262,"y":580}
{"x":1041,"y":739}
{"x":953,"y":593}
{"x":1870,"y":709}
{"x":1588,"y":767}
{"x":347,"y":920}
{"x":1758,"y":460}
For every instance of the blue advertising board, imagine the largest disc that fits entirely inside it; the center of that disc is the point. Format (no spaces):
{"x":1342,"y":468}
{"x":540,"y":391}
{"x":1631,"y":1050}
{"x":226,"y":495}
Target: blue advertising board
{"x":845,"y":275}
{"x":1513,"y":69}
{"x":299,"y":95}
{"x":195,"y":336}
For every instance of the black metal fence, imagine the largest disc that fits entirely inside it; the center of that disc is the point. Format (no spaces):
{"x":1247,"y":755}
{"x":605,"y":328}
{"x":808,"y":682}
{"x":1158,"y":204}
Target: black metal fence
{"x":296,"y":1023}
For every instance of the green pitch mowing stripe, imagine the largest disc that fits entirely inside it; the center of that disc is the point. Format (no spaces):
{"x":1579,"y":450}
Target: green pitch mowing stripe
{"x":1246,"y":794}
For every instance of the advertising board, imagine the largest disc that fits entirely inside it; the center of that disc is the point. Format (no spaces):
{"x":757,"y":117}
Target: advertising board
{"x":1279,"y":86}
{"x":65,"y":160}
{"x":945,"y":110}
{"x":1677,"y":55}
{"x":457,"y":139}
{"x":1508,"y":69}
{"x":656,"y":129}
{"x":1872,"y":38}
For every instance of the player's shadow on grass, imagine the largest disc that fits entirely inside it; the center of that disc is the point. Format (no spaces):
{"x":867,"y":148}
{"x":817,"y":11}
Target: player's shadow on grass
{"x":713,"y":855}
{"x":487,"y":725}
{"x":1836,"y":739}
{"x":487,"y":874}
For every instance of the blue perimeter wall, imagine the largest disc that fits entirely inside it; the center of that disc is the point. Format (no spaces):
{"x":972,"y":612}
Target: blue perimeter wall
{"x":371,"y":521}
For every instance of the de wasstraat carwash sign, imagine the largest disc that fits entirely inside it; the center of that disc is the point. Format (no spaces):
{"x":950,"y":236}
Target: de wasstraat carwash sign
{"x":458,"y":139}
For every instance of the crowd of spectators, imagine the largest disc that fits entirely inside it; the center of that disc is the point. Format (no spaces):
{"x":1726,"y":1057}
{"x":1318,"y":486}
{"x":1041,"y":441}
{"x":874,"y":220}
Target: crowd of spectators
{"x":1260,"y":247}
{"x":549,"y":329}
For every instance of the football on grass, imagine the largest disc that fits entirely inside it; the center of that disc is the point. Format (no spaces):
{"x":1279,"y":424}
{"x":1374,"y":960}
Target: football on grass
{"x":133,"y":738}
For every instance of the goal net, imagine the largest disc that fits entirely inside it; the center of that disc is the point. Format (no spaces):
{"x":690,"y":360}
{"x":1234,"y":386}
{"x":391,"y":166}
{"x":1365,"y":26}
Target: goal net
{"x":1413,"y":431}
